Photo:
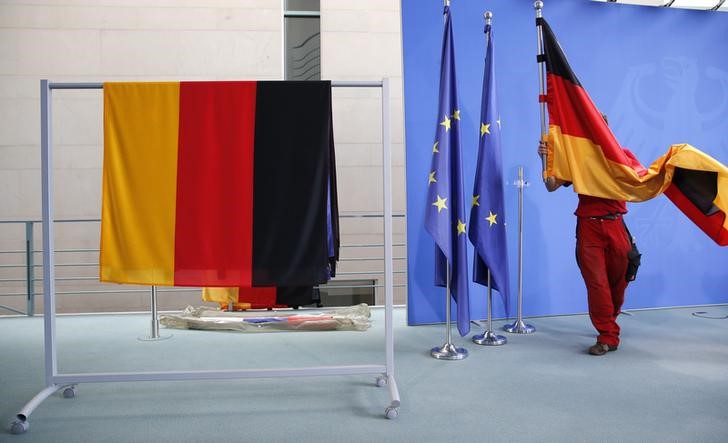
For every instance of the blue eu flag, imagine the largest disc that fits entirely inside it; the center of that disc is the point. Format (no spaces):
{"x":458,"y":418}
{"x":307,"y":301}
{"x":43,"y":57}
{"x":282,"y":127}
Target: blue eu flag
{"x":487,"y":216}
{"x":445,"y":216}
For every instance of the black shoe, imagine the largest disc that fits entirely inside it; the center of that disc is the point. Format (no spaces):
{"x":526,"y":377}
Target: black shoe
{"x":601,"y":349}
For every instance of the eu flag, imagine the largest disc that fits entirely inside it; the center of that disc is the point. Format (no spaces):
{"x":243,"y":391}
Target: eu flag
{"x":445,"y":216}
{"x":487,"y":216}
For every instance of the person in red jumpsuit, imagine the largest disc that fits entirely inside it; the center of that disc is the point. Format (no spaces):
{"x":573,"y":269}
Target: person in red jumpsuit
{"x":601,"y":253}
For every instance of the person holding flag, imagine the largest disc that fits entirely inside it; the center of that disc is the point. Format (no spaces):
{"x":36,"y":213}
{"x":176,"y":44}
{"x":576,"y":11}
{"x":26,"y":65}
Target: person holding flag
{"x":582,"y":151}
{"x":445,"y":213}
{"x":602,"y":246}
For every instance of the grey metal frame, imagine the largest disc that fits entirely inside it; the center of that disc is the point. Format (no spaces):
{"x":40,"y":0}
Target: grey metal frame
{"x":55,"y":381}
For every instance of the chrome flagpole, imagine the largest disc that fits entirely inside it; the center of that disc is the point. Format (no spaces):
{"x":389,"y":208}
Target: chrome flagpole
{"x":154,"y":334}
{"x":538,"y":6}
{"x":488,"y":337}
{"x":519,"y":327}
{"x":448,"y":351}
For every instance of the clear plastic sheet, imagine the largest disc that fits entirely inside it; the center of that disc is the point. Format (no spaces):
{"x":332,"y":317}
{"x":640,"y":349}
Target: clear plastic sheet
{"x":353,"y":318}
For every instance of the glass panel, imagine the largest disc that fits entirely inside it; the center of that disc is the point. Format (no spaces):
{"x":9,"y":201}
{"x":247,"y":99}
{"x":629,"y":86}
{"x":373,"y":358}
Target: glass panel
{"x":644,"y":2}
{"x":689,"y":4}
{"x":303,"y":5}
{"x":695,"y":4}
{"x":303,"y":48}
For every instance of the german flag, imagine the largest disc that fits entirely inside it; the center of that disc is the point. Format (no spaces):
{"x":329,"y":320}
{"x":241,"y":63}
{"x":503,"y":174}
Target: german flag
{"x":218,"y":184}
{"x":583,"y":151}
{"x":261,"y":297}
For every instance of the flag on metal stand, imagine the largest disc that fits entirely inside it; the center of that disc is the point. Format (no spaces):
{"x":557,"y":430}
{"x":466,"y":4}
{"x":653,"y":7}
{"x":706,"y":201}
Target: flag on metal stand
{"x":487,"y":229}
{"x":445,"y":213}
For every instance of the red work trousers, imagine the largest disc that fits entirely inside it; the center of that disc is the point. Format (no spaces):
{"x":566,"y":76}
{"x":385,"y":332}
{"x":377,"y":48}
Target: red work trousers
{"x":601,"y":252}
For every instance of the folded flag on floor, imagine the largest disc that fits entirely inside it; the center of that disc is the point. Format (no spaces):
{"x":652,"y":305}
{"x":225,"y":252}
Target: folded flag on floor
{"x":445,"y":213}
{"x":583,"y":150}
{"x":350,"y":318}
{"x":487,"y":229}
{"x":218,"y":184}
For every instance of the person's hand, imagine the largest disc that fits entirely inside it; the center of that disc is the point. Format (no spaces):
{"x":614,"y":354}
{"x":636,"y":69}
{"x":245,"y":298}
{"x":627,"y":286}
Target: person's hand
{"x":542,"y":148}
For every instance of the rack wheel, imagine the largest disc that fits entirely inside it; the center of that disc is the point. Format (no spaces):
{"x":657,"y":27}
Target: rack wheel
{"x":381,"y":381}
{"x":391,"y":413}
{"x":69,"y":392}
{"x":19,"y":426}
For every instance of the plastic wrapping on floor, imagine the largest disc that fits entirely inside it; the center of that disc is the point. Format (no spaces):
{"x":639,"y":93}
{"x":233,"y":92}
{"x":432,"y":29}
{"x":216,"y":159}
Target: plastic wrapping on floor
{"x":353,"y":318}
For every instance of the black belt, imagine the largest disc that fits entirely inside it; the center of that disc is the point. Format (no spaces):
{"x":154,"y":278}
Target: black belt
{"x":606,"y":217}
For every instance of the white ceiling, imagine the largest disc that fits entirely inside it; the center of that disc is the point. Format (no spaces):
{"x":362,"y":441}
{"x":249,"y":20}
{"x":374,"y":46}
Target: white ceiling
{"x":707,"y":5}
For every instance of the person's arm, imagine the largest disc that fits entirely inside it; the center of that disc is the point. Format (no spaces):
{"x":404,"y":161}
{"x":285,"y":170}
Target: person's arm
{"x":551,"y":183}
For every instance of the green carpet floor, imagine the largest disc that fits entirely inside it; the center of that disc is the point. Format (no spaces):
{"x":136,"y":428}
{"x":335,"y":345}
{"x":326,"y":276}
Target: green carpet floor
{"x":668,"y":382}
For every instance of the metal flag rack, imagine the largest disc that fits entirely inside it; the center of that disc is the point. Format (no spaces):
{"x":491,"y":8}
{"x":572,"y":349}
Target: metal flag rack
{"x":67,"y":382}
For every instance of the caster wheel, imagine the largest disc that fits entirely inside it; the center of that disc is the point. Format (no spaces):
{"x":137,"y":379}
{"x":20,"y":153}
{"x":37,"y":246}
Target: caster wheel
{"x":19,"y":427}
{"x":69,"y":392}
{"x":381,"y":381}
{"x":391,"y":413}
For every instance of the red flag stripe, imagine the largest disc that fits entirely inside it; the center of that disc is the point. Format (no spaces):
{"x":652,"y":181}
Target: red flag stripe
{"x":215,"y":184}
{"x":713,"y":225}
{"x":564,"y":97}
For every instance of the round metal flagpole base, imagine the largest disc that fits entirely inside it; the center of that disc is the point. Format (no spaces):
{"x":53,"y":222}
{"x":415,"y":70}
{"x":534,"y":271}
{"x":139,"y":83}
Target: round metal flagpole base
{"x":449,"y":351}
{"x":152,"y":338}
{"x":518,"y":327}
{"x":489,"y":338}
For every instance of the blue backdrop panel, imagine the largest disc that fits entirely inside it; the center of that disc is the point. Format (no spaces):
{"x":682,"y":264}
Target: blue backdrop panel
{"x":662,"y":77}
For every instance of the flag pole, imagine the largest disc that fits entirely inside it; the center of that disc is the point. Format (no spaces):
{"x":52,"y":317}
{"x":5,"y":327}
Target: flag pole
{"x":538,"y":6}
{"x":488,"y":337}
{"x":519,"y":327}
{"x":448,"y":351}
{"x":154,"y":333}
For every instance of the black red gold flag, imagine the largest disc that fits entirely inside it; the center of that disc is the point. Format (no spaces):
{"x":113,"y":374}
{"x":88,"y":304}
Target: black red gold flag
{"x":221,"y":184}
{"x":584,"y":151}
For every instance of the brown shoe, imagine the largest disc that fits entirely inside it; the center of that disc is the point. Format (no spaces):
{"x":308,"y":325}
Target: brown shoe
{"x":601,"y":349}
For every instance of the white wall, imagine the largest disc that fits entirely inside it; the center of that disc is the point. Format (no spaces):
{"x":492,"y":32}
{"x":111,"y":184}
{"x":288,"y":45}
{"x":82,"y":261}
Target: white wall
{"x":103,"y":40}
{"x":361,"y":40}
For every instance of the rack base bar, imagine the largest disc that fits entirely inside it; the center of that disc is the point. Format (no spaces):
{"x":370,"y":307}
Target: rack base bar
{"x":66,"y":379}
{"x":37,"y":400}
{"x":393,"y":391}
